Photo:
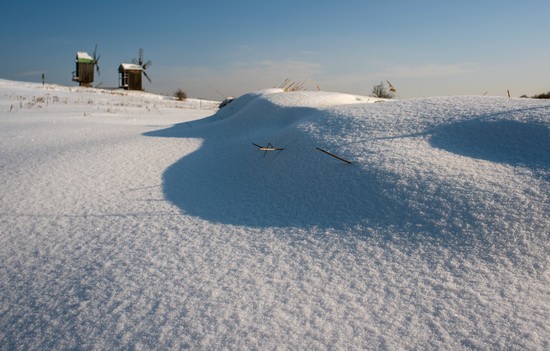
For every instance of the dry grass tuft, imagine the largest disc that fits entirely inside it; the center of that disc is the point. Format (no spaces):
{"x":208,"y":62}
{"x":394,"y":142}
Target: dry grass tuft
{"x":289,"y":85}
{"x":392,"y":88}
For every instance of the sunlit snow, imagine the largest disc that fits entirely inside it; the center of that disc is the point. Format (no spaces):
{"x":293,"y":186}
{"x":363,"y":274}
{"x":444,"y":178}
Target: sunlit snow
{"x":134,"y":221}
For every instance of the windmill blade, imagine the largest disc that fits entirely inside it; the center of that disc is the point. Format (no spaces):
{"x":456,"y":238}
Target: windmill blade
{"x":141,"y":57}
{"x":146,"y":76}
{"x":96,"y":60}
{"x":134,"y":61}
{"x":147,"y":64}
{"x":96,"y":63}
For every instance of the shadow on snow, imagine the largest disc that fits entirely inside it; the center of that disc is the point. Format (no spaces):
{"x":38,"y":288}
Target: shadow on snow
{"x":502,"y":141}
{"x":229,"y":181}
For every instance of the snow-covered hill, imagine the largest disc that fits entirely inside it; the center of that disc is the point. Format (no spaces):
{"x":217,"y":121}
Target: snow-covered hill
{"x":136,"y":221}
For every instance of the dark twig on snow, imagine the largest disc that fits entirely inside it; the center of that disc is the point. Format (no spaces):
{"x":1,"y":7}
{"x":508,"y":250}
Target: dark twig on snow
{"x":333,"y":155}
{"x":267,"y":148}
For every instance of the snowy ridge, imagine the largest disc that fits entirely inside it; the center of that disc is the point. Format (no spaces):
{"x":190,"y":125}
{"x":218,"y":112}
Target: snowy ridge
{"x":390,"y":144}
{"x":165,"y":228}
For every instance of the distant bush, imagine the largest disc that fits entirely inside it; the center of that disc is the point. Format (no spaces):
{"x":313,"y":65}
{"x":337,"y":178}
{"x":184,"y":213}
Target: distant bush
{"x":539,"y":96}
{"x":542,"y":96}
{"x":380,"y":91}
{"x":180,"y":95}
{"x":226,"y":101}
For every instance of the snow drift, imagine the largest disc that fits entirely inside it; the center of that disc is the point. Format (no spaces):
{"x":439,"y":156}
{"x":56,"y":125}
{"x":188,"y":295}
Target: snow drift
{"x":139,"y":224}
{"x":421,"y":166}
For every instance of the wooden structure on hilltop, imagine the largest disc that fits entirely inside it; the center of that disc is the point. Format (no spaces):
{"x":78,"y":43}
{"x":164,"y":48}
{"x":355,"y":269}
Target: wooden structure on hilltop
{"x":129,"y":74}
{"x":84,"y":73}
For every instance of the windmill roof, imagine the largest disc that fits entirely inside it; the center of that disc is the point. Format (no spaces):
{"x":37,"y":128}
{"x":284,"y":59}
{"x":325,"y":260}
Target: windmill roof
{"x":84,"y":57}
{"x":130,"y":66}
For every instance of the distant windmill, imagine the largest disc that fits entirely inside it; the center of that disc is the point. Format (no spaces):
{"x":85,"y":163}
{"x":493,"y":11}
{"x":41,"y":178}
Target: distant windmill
{"x":130,"y":73}
{"x":85,"y":63}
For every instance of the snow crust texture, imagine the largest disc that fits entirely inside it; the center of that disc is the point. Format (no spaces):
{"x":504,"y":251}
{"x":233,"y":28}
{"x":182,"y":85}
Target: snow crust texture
{"x":132,"y":221}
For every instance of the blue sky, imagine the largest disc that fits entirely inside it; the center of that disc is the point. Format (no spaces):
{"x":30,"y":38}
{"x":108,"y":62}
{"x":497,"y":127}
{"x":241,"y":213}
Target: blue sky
{"x":212,"y":48}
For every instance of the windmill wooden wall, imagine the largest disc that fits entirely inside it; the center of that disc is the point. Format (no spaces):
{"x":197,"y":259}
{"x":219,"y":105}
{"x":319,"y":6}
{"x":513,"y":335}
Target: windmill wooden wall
{"x":130,"y":77}
{"x":84,"y":73}
{"x":134,"y":80}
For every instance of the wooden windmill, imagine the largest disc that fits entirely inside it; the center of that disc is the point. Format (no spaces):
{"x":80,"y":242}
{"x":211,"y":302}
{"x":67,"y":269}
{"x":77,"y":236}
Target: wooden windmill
{"x":84,"y":73}
{"x":129,"y":74}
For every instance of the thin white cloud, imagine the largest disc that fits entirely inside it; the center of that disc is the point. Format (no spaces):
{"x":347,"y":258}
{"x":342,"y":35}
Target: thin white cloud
{"x":237,"y":77}
{"x":427,"y":71}
{"x":272,"y":69}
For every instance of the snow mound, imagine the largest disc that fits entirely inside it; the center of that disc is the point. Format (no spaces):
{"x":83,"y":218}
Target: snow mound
{"x":426,"y":167}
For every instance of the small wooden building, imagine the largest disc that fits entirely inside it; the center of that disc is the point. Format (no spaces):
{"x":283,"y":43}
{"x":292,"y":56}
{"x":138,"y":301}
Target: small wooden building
{"x":84,"y":73}
{"x":129,"y":76}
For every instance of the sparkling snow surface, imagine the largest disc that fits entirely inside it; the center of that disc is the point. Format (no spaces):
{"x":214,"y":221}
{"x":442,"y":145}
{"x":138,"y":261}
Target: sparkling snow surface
{"x":131,"y":221}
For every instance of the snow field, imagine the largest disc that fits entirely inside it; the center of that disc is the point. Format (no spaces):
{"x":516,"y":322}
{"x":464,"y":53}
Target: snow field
{"x":151,"y":228}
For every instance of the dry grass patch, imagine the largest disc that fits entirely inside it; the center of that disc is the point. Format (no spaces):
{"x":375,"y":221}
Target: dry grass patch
{"x":290,"y":85}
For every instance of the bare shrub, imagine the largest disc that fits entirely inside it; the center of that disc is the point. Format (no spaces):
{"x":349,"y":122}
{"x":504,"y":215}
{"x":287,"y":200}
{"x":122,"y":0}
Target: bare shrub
{"x":542,"y":96}
{"x":380,"y":91}
{"x":538,"y":96}
{"x":180,"y":95}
